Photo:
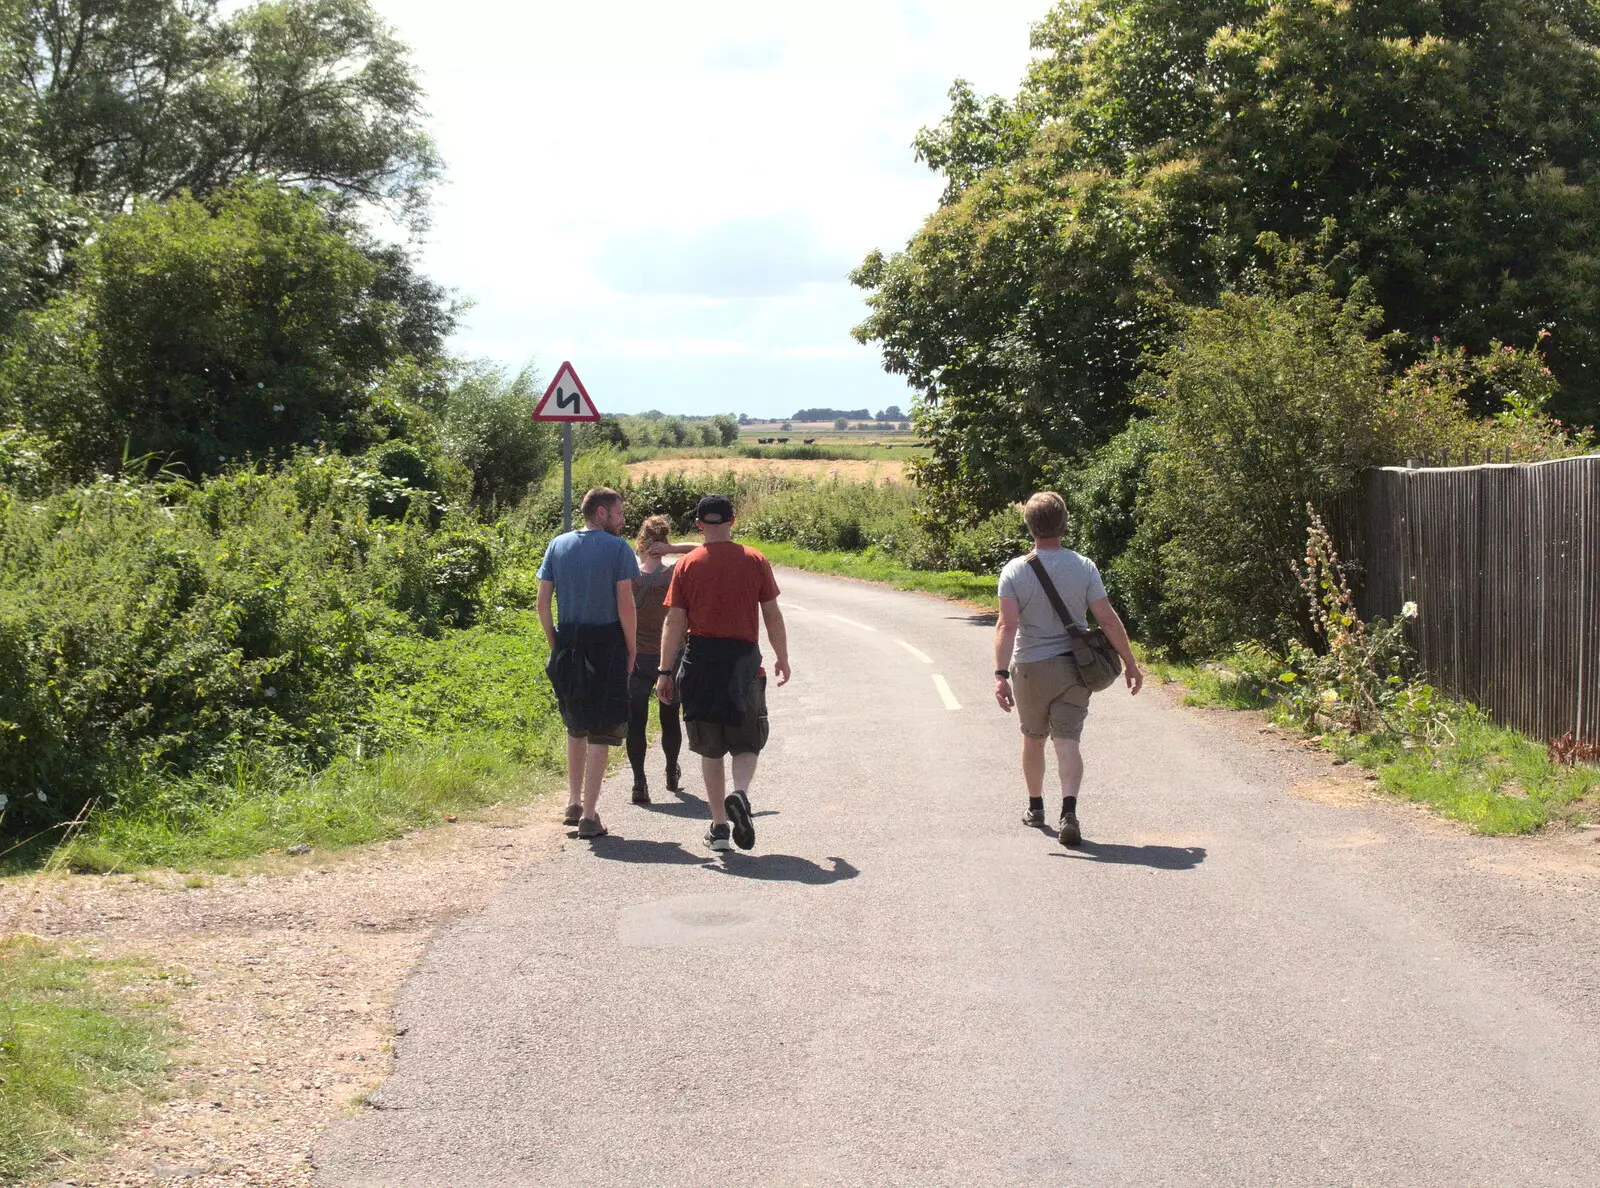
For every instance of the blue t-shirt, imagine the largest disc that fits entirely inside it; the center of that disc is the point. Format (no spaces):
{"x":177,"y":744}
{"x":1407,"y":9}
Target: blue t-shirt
{"x":586,"y":566}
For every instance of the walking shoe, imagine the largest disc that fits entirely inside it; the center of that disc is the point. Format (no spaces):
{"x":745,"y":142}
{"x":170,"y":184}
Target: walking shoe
{"x":717,"y":838}
{"x":1034,"y":818}
{"x":674,"y":778}
{"x":590,"y":828}
{"x":641,"y":792}
{"x":744,"y":828}
{"x":574,"y":814}
{"x":1070,"y":834}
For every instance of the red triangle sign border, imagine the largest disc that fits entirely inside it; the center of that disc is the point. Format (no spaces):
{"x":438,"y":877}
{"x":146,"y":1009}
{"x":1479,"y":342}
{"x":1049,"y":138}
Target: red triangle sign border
{"x":586,"y":411}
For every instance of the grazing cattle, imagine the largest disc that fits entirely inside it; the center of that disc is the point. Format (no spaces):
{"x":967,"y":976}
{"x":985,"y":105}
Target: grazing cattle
{"x":811,"y":441}
{"x":783,"y":441}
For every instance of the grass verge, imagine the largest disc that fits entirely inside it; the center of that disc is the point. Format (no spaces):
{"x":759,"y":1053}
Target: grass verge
{"x":472,"y":722}
{"x":347,"y":804}
{"x":1495,"y":779}
{"x":872,"y":566}
{"x":82,"y":1044}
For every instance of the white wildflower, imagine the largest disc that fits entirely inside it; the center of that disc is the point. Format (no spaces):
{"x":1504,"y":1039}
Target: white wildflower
{"x":41,"y":796}
{"x":4,"y":800}
{"x":1330,"y":695}
{"x":272,"y":691}
{"x":1408,"y":611}
{"x":277,"y":408}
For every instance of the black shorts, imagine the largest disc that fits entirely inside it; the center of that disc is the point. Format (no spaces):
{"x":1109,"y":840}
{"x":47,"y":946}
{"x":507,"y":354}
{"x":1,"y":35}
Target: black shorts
{"x":716,"y":739}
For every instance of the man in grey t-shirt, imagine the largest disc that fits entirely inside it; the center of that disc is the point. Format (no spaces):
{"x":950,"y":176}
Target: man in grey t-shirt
{"x":1034,"y":669}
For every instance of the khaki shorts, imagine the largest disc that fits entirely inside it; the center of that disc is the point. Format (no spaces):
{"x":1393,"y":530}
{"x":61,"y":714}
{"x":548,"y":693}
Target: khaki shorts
{"x":1052,"y":700}
{"x":716,"y":739}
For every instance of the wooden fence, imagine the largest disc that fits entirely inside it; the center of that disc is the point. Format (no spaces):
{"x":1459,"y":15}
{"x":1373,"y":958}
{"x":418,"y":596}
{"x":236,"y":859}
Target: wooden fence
{"x":1502,"y":563}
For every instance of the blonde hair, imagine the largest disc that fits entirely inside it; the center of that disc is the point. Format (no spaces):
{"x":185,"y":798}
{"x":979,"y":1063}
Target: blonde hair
{"x":654,"y":529}
{"x":1045,"y":514}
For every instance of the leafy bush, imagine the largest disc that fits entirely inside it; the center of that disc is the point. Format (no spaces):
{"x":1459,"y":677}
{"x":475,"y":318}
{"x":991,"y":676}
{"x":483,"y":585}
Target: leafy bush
{"x":1277,"y":398}
{"x":204,"y":332}
{"x":151,"y":633}
{"x":488,"y":430}
{"x":1104,"y":496}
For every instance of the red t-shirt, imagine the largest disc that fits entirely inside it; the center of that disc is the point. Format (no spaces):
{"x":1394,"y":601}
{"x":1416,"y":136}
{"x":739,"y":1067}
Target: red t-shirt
{"x":722,"y":586}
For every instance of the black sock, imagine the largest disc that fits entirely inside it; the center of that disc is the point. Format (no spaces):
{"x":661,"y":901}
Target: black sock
{"x":1069,"y":806}
{"x":1036,"y":804}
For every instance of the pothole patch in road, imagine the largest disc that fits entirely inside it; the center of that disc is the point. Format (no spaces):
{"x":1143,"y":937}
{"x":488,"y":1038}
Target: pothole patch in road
{"x":694,"y":920}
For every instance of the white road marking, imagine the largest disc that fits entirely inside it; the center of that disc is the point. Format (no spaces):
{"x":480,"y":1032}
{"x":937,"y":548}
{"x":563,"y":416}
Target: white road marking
{"x":949,"y":698}
{"x":917,"y":652}
{"x":794,"y":606}
{"x":852,"y":622}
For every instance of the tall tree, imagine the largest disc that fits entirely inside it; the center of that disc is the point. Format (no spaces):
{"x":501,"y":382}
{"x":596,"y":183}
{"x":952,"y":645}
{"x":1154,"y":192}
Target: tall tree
{"x":149,"y":98}
{"x":1455,"y":142}
{"x":201,"y":332}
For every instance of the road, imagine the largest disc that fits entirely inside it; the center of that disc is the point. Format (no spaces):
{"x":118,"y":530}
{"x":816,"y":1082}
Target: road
{"x":902,"y":985}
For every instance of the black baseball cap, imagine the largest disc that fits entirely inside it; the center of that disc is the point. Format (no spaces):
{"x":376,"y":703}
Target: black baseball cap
{"x":714,"y":509}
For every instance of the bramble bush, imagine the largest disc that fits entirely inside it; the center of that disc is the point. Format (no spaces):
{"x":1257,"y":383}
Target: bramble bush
{"x":153,"y":632}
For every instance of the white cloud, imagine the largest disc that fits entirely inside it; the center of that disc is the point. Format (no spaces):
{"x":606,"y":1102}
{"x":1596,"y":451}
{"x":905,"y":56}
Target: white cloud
{"x":636,"y":184}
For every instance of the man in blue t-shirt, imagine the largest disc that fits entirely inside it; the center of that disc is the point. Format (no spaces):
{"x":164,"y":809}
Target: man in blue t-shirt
{"x":590,"y":573}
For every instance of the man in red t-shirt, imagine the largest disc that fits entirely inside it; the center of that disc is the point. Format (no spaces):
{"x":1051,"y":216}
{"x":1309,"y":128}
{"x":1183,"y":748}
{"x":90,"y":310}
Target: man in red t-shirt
{"x":720,"y":594}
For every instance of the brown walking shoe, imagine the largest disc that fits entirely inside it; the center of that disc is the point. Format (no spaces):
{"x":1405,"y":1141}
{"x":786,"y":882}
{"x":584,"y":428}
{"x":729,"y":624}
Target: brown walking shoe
{"x":574,"y":814}
{"x":590,"y":828}
{"x":1070,"y":834}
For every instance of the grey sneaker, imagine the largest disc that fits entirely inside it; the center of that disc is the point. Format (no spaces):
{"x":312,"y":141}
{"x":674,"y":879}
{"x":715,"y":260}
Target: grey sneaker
{"x":717,"y":838}
{"x":744,"y":826}
{"x":1069,"y":833}
{"x":1034,"y":818}
{"x":574,"y":814}
{"x":590,"y":828}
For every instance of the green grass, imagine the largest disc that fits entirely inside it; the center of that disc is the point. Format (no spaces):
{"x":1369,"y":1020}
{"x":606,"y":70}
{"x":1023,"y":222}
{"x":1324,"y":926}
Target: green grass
{"x":82,"y":1043}
{"x":352,"y":802}
{"x":1492,"y":778}
{"x":1208,"y":684}
{"x":872,"y":566}
{"x":472,"y":722}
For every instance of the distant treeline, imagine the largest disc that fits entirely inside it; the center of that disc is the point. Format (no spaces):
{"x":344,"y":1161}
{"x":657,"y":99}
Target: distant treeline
{"x":892,"y":413}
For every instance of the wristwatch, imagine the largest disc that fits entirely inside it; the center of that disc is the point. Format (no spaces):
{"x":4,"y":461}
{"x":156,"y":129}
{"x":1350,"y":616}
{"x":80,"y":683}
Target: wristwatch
{"x":1003,"y":673}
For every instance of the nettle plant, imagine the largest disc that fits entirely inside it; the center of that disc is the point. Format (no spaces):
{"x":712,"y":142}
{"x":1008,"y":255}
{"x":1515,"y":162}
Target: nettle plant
{"x":1361,"y":683}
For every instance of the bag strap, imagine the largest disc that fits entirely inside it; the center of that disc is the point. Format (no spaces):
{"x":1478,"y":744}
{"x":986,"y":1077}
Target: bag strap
{"x":1037,"y":566}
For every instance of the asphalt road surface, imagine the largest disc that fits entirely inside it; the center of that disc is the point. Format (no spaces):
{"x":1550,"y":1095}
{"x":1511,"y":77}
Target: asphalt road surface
{"x":902,"y":985}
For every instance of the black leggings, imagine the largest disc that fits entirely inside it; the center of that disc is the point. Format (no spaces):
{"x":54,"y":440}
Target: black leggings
{"x":641,"y":692}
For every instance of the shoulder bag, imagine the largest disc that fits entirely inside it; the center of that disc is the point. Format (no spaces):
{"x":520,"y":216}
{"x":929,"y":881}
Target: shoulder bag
{"x":1098,"y":663}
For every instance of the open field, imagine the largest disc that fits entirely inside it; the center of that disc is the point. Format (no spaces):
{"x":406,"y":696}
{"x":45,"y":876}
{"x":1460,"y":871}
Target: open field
{"x":842,"y":469}
{"x":823,"y":432}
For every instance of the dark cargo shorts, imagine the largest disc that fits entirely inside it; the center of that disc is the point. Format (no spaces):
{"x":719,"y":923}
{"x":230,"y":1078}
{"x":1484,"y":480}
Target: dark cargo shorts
{"x":716,"y":739}
{"x":609,"y":736}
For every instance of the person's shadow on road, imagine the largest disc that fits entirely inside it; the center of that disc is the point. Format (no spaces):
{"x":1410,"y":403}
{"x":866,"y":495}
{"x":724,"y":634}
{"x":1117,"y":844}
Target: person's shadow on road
{"x":1159,"y":857}
{"x":783,"y":868}
{"x":638,"y":849}
{"x":693,"y":808}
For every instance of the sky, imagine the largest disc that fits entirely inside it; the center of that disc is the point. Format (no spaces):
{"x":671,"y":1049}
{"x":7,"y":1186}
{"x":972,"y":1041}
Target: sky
{"x":672,"y":195}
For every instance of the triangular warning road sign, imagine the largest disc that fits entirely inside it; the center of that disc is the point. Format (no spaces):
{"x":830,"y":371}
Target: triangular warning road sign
{"x":566,"y":399}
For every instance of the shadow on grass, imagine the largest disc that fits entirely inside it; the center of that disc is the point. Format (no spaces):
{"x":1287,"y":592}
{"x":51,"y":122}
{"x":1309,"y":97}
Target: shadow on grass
{"x":1157,"y":857}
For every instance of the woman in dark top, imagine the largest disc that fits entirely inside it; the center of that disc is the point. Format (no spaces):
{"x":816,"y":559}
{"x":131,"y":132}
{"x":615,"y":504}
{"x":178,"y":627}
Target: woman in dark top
{"x":649,"y":600}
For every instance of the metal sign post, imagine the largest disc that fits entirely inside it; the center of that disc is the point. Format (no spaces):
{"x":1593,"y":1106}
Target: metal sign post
{"x":566,"y":400}
{"x":566,"y":477}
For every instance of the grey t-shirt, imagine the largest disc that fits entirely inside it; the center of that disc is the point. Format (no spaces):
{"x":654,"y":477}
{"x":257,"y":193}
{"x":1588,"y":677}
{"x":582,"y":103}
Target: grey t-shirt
{"x":1040,"y":632}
